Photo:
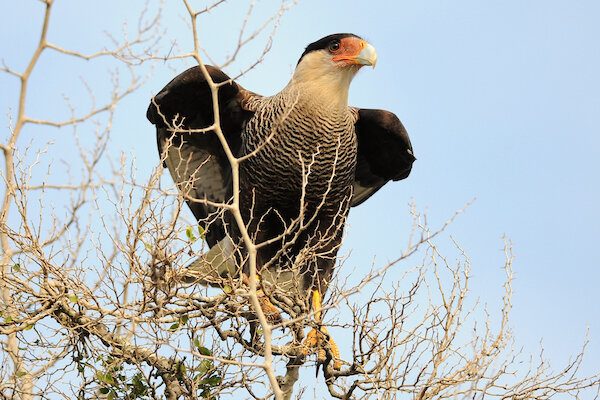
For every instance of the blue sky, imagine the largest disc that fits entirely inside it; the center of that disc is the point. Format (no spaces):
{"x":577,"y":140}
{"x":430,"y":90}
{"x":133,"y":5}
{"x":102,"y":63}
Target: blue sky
{"x":501,"y":100}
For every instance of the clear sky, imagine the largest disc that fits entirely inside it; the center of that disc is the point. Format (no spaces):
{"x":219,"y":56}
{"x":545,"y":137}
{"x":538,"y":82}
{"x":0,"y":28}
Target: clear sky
{"x":501,"y":100}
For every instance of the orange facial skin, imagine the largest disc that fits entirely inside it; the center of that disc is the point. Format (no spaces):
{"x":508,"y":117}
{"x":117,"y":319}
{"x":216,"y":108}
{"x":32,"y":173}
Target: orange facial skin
{"x":349,"y":50}
{"x":353,"y":51}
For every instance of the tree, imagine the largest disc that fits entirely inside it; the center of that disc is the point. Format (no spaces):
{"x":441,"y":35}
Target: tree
{"x":97,"y":299}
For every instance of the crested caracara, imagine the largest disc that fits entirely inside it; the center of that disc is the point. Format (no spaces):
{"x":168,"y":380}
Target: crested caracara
{"x":307,"y":157}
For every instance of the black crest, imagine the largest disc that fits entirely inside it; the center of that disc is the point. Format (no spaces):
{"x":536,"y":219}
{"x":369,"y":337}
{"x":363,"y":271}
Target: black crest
{"x":325,"y":42}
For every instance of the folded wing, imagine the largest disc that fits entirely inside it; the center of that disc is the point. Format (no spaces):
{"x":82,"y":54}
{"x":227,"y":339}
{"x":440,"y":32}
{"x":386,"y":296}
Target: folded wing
{"x":196,"y":160}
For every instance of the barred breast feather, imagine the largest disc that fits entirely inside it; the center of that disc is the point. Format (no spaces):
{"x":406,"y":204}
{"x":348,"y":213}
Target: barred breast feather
{"x":298,"y":145}
{"x":305,"y":160}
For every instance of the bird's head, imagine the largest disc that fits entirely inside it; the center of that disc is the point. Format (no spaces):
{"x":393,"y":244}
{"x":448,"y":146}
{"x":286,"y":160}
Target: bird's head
{"x":329,"y":64}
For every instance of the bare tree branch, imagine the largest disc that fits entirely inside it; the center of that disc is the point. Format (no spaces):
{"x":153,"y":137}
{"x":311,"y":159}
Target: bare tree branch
{"x":99,"y":297}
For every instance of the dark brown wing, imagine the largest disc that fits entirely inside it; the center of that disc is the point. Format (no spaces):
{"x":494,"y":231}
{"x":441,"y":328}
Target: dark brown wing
{"x":197,"y":161}
{"x":384,"y":152}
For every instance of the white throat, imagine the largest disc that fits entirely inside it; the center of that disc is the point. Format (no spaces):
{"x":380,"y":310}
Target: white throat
{"x":320,"y":78}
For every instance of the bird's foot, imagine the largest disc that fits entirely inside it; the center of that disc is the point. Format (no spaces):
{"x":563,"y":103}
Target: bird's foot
{"x":315,"y":341}
{"x":271,"y":312}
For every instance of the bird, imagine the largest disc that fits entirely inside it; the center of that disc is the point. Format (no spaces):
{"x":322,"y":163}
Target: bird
{"x":306,"y":157}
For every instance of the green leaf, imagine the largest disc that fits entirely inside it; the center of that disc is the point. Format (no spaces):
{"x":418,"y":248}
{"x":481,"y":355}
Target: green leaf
{"x":190,"y":234}
{"x":8,"y":319}
{"x":227,"y":289}
{"x":139,"y":388}
{"x":214,"y":380}
{"x":21,"y":374}
{"x":105,"y":377}
{"x":73,"y":298}
{"x":201,"y":232}
{"x":174,"y":326}
{"x":104,"y":390}
{"x":204,"y":367}
{"x":184,"y":319}
{"x":196,"y":342}
{"x":204,"y":351}
{"x":112,"y":395}
{"x":17,"y":267}
{"x":180,"y":370}
{"x":202,"y":382}
{"x":29,"y":327}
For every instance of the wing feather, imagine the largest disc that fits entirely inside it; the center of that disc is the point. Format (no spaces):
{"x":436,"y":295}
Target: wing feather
{"x":384,"y":152}
{"x":197,"y":161}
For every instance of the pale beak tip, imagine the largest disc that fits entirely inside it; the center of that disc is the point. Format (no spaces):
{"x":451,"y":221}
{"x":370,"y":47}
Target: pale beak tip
{"x":368,"y":55}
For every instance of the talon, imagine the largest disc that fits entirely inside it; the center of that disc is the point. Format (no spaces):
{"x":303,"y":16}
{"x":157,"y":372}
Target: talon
{"x":337,"y":365}
{"x":310,"y":342}
{"x":314,"y":342}
{"x":335,"y":351}
{"x":315,"y":339}
{"x":321,"y":360}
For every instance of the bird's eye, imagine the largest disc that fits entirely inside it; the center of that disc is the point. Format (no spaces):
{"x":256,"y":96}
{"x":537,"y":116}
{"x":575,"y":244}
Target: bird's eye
{"x":334,"y":46}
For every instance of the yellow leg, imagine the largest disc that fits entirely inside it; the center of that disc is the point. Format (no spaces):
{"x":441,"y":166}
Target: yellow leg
{"x":316,"y":339}
{"x":316,"y":304}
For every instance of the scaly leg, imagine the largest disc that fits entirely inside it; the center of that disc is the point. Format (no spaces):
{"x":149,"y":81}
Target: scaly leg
{"x":316,"y":339}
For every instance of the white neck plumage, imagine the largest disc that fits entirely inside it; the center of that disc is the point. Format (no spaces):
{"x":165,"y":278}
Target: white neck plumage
{"x":323,"y":80}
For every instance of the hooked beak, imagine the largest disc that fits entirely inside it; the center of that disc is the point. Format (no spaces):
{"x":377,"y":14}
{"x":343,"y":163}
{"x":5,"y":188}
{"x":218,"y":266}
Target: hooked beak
{"x":367,"y":56}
